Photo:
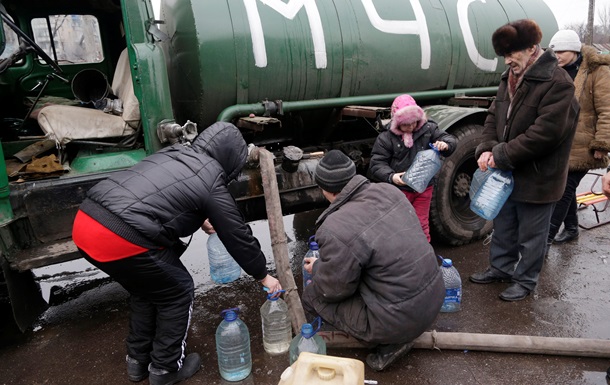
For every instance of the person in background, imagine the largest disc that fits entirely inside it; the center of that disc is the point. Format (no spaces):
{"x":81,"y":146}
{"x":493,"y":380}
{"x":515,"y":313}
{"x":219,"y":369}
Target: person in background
{"x":528,"y":130}
{"x":395,"y":149}
{"x":377,"y":278}
{"x":591,"y":144}
{"x":130,"y":225}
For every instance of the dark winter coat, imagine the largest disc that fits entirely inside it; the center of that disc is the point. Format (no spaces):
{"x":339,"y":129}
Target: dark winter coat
{"x":390,"y":155}
{"x":534,"y":140}
{"x":377,"y":277}
{"x":169,"y":194}
{"x":592,"y":90}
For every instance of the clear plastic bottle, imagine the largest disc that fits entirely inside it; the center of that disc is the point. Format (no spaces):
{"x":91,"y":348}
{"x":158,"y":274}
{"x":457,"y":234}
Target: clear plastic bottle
{"x":277,"y":325}
{"x":312,"y":252}
{"x":489,"y":191}
{"x":233,"y":347}
{"x":425,"y":165}
{"x":453,"y":287}
{"x":307,"y":341}
{"x":223,"y":268}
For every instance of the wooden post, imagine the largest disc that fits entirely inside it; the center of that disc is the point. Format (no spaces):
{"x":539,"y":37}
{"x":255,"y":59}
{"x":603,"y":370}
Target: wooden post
{"x":279,"y":242}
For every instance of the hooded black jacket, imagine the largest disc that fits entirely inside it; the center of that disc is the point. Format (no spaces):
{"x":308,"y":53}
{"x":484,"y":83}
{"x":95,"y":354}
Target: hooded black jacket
{"x":170,"y":193}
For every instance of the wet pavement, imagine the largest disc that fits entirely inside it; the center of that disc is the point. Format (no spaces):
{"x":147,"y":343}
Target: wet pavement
{"x":80,"y":339}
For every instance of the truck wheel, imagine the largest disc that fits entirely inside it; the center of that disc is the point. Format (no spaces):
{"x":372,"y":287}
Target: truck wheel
{"x":451,"y":220}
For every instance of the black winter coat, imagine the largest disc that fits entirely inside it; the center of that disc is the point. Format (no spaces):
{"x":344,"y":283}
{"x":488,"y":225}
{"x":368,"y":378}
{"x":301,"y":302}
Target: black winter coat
{"x":391,"y":156}
{"x":377,"y":278}
{"x":534,"y":140}
{"x":169,"y":194}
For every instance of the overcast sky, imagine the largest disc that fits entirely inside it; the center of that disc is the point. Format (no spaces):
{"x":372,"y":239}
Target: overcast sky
{"x":575,"y":11}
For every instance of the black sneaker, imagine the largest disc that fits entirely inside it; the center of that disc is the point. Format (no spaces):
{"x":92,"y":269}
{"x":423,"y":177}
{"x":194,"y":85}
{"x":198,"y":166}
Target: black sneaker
{"x":386,"y":355}
{"x":192,"y":363}
{"x":136,"y":370}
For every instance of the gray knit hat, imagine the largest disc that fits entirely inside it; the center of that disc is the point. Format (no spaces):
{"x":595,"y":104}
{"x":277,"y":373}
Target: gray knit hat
{"x":334,"y":170}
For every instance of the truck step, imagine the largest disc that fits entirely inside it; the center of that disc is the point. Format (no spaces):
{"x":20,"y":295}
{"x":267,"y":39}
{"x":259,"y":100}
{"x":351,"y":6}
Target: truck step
{"x":45,"y":254}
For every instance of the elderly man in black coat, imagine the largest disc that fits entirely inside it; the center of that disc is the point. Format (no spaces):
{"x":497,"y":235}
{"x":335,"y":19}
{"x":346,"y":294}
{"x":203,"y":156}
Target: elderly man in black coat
{"x":529,"y":130}
{"x":377,"y":277}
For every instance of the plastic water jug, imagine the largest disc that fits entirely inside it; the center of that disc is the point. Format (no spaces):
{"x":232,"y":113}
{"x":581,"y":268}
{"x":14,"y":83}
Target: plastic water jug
{"x":489,"y":191}
{"x":425,"y":165}
{"x":223,"y":268}
{"x":233,"y":347}
{"x":312,"y":252}
{"x":307,"y":341}
{"x":277,"y":325}
{"x":453,"y":287}
{"x":317,"y":369}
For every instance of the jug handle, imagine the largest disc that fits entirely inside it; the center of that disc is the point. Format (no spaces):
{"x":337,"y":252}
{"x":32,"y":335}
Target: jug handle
{"x":235,"y":309}
{"x":318,"y":319}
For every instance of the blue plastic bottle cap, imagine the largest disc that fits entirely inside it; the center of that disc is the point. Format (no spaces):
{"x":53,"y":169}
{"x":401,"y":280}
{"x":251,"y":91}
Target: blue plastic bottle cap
{"x":447,"y":262}
{"x":307,"y":330}
{"x":271,"y":298}
{"x":230,"y":316}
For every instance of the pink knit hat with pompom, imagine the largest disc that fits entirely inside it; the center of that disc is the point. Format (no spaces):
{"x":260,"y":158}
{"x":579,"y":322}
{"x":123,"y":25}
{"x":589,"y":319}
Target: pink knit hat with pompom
{"x":405,"y":110}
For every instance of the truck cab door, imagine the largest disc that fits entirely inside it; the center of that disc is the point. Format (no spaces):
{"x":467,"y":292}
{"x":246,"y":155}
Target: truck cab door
{"x":148,"y":69}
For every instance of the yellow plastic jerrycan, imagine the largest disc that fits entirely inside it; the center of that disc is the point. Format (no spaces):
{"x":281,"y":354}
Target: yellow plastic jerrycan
{"x":317,"y":369}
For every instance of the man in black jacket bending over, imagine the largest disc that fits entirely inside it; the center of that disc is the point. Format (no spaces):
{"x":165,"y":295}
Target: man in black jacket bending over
{"x":130,"y":226}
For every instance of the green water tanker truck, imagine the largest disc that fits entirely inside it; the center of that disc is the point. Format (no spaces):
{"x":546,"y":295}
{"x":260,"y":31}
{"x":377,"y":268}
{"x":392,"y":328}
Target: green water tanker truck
{"x":89,"y":87}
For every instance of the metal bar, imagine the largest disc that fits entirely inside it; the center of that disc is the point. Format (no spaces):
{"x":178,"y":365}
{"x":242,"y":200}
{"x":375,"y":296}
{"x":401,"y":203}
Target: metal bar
{"x":238,"y":110}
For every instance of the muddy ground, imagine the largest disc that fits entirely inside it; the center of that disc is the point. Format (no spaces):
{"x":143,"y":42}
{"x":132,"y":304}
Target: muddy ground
{"x":80,"y":339}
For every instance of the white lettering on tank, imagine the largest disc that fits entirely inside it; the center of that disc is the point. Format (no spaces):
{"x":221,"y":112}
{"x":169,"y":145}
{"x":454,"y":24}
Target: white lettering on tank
{"x":288,"y":10}
{"x":404,"y":27}
{"x":471,"y":48}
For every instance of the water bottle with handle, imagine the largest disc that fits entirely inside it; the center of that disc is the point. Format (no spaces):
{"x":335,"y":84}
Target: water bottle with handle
{"x":233,"y":347}
{"x":453,"y":287}
{"x":277,"y":325}
{"x":425,"y":165}
{"x":312,"y":252}
{"x":223,"y":268}
{"x":307,"y":341}
{"x":489,"y":191}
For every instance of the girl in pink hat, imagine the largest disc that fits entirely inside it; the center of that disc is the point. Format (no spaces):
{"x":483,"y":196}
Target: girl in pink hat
{"x":395,"y":149}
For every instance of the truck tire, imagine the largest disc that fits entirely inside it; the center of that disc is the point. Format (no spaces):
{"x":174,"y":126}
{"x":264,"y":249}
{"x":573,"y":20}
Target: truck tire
{"x":451,"y":220}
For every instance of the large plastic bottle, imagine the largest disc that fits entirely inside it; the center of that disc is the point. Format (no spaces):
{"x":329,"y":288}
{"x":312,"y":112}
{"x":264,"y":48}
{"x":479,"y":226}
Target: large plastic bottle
{"x":489,"y":191}
{"x":453,"y":287}
{"x":233,"y":347}
{"x":277,"y":325}
{"x":425,"y":165}
{"x":312,"y":252}
{"x":223,"y":268}
{"x":307,"y":341}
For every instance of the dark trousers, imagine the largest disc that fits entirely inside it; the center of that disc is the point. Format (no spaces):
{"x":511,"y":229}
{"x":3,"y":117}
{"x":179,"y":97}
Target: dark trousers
{"x":566,"y":208}
{"x":162,"y":293}
{"x":518,"y":243}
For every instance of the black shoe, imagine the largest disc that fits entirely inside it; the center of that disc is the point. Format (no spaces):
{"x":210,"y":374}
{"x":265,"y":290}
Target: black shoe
{"x":608,"y":373}
{"x":386,"y":355}
{"x":568,"y":234}
{"x":136,"y":370}
{"x":488,"y":276}
{"x":515,"y":292}
{"x":191,"y":365}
